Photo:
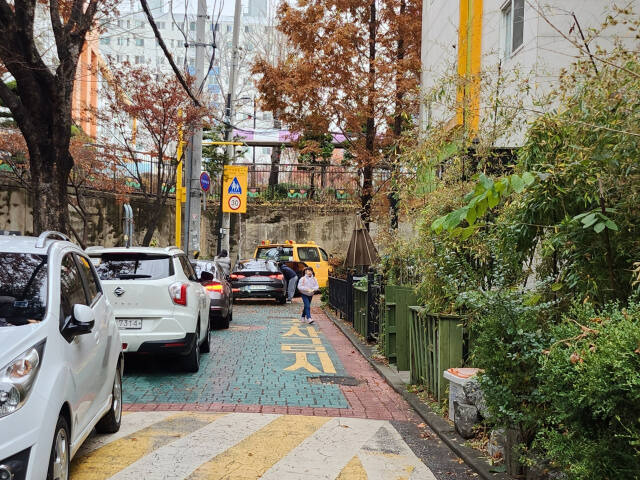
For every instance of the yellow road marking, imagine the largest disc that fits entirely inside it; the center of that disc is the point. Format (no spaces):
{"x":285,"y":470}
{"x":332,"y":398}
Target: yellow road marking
{"x":108,"y":460}
{"x":256,"y":454}
{"x":302,"y":362}
{"x":294,"y":330}
{"x":354,"y":470}
{"x":327,"y":364}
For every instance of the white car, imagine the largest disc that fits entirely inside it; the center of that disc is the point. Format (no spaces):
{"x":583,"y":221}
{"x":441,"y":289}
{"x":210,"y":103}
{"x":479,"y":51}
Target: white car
{"x":160,"y":306}
{"x":60,"y":356}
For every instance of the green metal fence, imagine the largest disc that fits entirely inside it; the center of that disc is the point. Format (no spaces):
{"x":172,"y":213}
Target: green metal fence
{"x":360,"y":310}
{"x":435,"y":344}
{"x":397,"y":299}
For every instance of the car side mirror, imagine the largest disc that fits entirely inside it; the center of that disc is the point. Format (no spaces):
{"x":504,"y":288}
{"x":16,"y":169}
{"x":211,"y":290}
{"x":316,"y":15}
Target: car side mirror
{"x":206,"y":276}
{"x":80,"y":323}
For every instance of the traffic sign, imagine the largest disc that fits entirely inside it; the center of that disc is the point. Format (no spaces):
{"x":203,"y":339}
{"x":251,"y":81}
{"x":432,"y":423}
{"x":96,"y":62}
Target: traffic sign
{"x":205,"y":181}
{"x":234,"y":189}
{"x":234,"y":202}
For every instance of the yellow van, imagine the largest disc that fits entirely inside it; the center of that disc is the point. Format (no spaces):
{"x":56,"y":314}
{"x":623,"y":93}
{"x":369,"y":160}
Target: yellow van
{"x":307,"y":252}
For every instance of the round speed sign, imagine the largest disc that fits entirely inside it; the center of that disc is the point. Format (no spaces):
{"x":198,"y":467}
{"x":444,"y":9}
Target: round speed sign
{"x":234,"y":202}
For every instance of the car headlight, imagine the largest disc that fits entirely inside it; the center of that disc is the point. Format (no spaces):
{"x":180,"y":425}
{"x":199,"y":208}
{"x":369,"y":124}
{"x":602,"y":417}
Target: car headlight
{"x":17,"y":379}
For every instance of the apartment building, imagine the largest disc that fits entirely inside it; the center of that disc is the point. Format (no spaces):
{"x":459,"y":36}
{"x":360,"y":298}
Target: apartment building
{"x":129,"y":38}
{"x":533,"y":40}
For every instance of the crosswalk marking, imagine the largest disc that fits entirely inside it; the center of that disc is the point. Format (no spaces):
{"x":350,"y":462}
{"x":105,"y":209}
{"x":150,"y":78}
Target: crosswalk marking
{"x":216,"y":446}
{"x":180,"y":458}
{"x":131,"y":423}
{"x":258,"y":452}
{"x":114,"y":456}
{"x":387,"y":457}
{"x":354,"y":470}
{"x":324,"y":454}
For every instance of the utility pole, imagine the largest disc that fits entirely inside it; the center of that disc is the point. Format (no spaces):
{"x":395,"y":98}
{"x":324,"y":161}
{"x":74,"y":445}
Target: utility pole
{"x":223,"y":234}
{"x":194,"y":192}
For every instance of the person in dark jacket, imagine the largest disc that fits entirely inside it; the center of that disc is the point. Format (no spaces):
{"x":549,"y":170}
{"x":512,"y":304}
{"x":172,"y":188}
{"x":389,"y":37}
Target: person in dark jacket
{"x":292,"y":280}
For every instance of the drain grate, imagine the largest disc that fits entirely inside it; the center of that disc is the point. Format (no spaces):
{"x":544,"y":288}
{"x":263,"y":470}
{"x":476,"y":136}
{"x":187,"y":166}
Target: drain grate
{"x":347,"y":381}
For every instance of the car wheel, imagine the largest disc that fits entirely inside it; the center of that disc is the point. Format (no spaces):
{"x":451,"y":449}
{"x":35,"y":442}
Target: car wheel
{"x":206,"y":344}
{"x":110,"y":422}
{"x":223,"y":322}
{"x":191,"y":363}
{"x":59,"y":459}
{"x":282,"y":300}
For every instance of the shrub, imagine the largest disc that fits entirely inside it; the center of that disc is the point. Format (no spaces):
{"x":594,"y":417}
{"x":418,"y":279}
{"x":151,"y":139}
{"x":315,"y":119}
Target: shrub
{"x":590,"y":384}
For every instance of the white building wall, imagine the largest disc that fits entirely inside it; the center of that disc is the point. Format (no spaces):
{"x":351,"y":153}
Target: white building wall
{"x":543,"y":54}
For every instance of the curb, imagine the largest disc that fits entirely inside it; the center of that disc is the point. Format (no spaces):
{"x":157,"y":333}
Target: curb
{"x":438,"y":424}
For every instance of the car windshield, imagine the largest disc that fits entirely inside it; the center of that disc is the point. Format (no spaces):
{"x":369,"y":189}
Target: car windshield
{"x":132,"y":266}
{"x":205,"y":266}
{"x":23,"y":288}
{"x":275,"y":253}
{"x":256,"y":266}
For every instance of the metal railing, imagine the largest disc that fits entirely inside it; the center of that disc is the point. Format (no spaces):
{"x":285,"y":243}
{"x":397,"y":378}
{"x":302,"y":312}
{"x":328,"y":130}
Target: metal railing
{"x":395,"y":327}
{"x":436,"y":343}
{"x":341,"y":296}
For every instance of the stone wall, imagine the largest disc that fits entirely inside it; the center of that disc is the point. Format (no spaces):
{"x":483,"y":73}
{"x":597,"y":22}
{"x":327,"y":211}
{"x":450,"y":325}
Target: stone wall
{"x":329,"y":226}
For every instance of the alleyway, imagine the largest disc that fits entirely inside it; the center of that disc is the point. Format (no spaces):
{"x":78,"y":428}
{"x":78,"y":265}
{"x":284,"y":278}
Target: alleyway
{"x":275,"y":399}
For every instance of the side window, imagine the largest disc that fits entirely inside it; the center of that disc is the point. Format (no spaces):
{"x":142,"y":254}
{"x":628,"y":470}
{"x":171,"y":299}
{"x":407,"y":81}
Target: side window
{"x":308,"y":254}
{"x":324,"y":255}
{"x":93,"y":287}
{"x":71,"y":289}
{"x":187,"y":268}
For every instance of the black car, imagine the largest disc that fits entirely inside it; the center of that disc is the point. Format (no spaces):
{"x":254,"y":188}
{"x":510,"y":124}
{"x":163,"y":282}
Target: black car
{"x":258,"y":279}
{"x":219,"y":290}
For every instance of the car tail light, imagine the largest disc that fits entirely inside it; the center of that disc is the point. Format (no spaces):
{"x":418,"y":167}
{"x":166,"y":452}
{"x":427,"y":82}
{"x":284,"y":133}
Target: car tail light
{"x":178,"y":293}
{"x":278,"y":276}
{"x":213,"y":286}
{"x":236,"y":276}
{"x":235,"y":289}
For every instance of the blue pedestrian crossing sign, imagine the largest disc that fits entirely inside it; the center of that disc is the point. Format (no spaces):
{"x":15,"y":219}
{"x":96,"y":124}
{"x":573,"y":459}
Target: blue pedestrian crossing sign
{"x":235,"y":188}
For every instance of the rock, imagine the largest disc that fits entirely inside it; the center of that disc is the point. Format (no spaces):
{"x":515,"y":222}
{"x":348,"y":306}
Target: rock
{"x":497,"y":440}
{"x":474,"y":396}
{"x":466,"y":416}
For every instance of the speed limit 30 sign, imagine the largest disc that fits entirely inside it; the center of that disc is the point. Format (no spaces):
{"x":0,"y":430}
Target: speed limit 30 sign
{"x":234,"y":202}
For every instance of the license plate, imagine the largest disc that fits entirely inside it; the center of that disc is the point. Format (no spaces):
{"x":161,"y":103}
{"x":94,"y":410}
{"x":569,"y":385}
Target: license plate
{"x":257,"y":287}
{"x":129,"y":323}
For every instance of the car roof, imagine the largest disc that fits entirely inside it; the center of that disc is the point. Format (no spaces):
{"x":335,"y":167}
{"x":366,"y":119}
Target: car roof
{"x":36,"y":245}
{"x":249,"y":261}
{"x":288,"y":243}
{"x":171,"y":251}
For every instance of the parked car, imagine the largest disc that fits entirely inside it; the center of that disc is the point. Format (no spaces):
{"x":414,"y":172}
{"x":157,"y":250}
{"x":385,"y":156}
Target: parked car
{"x":60,"y":356}
{"x":160,"y":305}
{"x":258,"y":279}
{"x":218,"y":287}
{"x":303,"y":252}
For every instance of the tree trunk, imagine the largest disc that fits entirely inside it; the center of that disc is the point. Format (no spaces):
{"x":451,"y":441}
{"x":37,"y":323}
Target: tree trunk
{"x":367,"y":170}
{"x":49,"y":176}
{"x":397,"y":121}
{"x":275,"y":156}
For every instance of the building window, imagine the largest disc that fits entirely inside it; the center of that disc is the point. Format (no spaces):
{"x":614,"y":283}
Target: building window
{"x":139,"y":42}
{"x":229,"y":28}
{"x":139,"y":59}
{"x":160,"y":25}
{"x":513,"y":24}
{"x":192,"y":26}
{"x":139,"y":24}
{"x":105,"y":41}
{"x":128,"y":40}
{"x":247,"y":29}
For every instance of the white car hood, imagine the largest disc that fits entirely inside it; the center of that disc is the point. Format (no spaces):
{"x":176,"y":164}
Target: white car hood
{"x":15,"y":340}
